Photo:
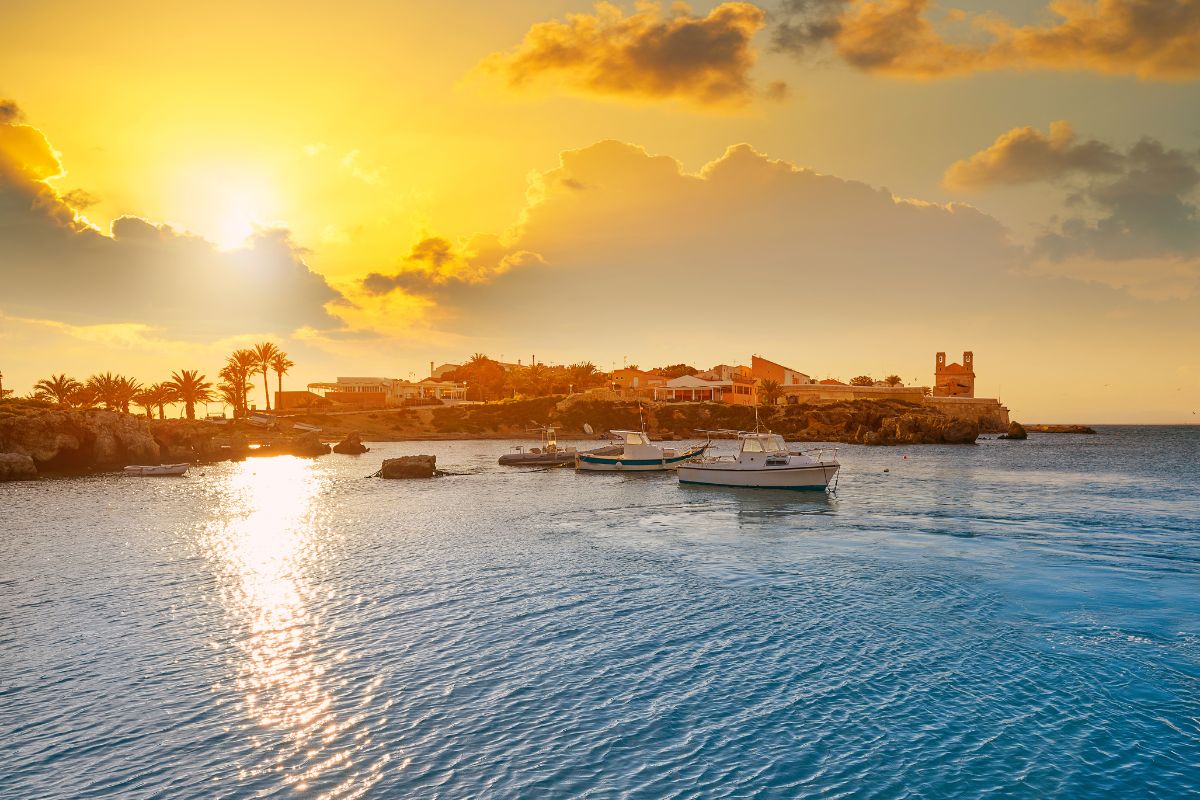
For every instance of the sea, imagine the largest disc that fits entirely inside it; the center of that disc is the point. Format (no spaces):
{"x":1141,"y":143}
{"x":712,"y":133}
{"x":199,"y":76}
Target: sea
{"x":1011,"y":619}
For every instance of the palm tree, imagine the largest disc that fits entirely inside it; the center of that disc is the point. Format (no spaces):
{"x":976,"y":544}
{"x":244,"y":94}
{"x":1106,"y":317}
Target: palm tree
{"x":892,"y":380}
{"x":769,"y":391}
{"x":189,"y":387}
{"x":83,"y":397}
{"x":58,"y":388}
{"x":281,"y":364}
{"x":145,"y":398}
{"x":115,"y":391}
{"x":264,"y":353}
{"x":236,"y":373}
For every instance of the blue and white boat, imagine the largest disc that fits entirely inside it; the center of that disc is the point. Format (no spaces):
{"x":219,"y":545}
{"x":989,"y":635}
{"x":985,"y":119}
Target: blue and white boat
{"x":764,"y":462}
{"x":637,"y":454}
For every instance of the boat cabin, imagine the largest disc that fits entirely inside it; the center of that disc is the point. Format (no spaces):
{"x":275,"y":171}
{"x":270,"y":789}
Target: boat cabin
{"x":763,"y":448}
{"x":637,"y":445}
{"x":763,"y":443}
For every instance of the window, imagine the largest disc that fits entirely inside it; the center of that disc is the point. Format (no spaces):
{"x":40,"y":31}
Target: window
{"x":751,"y":445}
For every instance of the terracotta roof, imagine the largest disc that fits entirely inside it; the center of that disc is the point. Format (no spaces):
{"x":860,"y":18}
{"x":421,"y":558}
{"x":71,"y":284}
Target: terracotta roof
{"x":830,"y":382}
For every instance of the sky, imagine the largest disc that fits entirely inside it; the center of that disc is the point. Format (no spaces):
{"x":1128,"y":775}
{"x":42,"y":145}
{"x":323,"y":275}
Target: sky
{"x":843,"y":186}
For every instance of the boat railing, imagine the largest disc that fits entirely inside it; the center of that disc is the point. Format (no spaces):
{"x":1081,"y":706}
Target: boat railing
{"x":819,"y":454}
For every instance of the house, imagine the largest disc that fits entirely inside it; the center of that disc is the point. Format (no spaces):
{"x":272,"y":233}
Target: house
{"x":634,"y":381}
{"x":365,"y":393}
{"x":764,"y":370}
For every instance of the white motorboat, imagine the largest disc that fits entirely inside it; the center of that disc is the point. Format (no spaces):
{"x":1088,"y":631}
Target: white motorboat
{"x":637,"y":454}
{"x":764,"y":462}
{"x":156,"y":470}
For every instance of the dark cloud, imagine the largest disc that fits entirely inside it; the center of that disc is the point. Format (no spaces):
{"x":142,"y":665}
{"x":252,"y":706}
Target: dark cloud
{"x":55,"y":266}
{"x":435,"y":262}
{"x":10,"y":112}
{"x":704,"y":60}
{"x":804,"y":25}
{"x":1153,"y":39}
{"x":1144,"y":212}
{"x":1025,"y":155}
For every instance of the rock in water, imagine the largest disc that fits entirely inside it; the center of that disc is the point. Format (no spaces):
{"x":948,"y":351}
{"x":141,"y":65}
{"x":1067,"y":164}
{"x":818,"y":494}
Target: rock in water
{"x":17,"y":467}
{"x":307,"y":444}
{"x":1015,"y":431}
{"x":352,"y":445}
{"x":409,"y":467}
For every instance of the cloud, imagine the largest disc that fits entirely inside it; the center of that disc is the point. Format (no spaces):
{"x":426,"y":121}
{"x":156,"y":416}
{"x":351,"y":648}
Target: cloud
{"x":1024,"y":155}
{"x":705,"y":60}
{"x":1152,"y":39}
{"x":435,"y":262}
{"x":1137,"y":226}
{"x":805,"y":25}
{"x":630,"y":242}
{"x":10,"y":112}
{"x":56,"y":265}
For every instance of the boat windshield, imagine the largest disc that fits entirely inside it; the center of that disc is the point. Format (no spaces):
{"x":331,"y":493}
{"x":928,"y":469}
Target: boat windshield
{"x":633,"y":437}
{"x":769,"y":443}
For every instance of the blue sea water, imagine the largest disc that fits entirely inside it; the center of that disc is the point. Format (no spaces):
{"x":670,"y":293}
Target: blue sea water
{"x":1015,"y":619}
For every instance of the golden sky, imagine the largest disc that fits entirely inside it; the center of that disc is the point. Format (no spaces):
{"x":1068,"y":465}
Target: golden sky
{"x":844,"y":186}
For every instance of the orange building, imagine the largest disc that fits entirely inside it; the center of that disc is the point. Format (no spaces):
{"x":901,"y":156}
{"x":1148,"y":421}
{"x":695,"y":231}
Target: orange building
{"x":954,"y":380}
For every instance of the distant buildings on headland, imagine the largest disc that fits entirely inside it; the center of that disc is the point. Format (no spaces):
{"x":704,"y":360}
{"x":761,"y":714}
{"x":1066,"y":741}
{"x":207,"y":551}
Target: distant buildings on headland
{"x":761,"y":382}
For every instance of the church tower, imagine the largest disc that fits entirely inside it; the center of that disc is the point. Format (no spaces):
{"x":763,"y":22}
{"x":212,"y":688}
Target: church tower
{"x":954,"y":380}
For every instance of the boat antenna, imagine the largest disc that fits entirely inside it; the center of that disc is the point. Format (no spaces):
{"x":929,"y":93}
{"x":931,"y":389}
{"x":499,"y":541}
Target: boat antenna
{"x":641,"y":419}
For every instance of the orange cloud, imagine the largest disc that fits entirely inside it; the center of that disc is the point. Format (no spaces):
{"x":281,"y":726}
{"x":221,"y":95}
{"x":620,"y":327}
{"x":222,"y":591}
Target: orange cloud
{"x":703,"y":60}
{"x":1152,"y":39}
{"x":1024,"y":155}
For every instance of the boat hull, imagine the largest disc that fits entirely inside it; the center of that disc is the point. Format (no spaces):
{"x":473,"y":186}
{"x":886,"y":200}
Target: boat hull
{"x":619,"y":463}
{"x":808,"y":477}
{"x":156,"y":470}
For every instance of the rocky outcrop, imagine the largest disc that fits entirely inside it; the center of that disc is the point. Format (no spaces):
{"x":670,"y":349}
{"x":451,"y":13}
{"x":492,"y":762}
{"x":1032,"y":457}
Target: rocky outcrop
{"x":351,"y":446}
{"x":1060,"y":429}
{"x":306,"y":444}
{"x":77,"y":441}
{"x":1015,"y":431}
{"x":409,"y":467}
{"x":188,"y":440}
{"x":17,"y":467}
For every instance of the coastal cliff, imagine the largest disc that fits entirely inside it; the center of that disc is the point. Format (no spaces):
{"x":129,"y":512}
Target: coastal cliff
{"x":37,"y":440}
{"x":873,"y":422}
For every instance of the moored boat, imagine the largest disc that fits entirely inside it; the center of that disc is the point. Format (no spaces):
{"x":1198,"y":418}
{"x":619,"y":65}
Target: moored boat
{"x":156,"y":470}
{"x":764,"y":462}
{"x":637,"y":454}
{"x":548,"y":454}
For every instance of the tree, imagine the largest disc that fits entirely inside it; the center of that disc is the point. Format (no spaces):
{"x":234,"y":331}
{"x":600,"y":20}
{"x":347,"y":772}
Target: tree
{"x":862,"y":380}
{"x":281,"y":364}
{"x":83,"y":397}
{"x":189,"y":387}
{"x":145,"y":398}
{"x":264,"y":355}
{"x":769,"y":391}
{"x":115,"y":391}
{"x":236,"y":373}
{"x":485,"y":378}
{"x":58,"y":388}
{"x":893,"y":380}
{"x":584,"y":375}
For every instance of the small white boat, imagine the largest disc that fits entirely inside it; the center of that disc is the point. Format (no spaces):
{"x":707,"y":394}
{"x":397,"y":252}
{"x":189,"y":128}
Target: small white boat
{"x":637,"y":454}
{"x":156,"y":470}
{"x":549,"y":454}
{"x":764,"y":462}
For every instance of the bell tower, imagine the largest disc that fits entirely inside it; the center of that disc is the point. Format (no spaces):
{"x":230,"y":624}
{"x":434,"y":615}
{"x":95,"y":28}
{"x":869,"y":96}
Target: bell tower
{"x":954,"y":380}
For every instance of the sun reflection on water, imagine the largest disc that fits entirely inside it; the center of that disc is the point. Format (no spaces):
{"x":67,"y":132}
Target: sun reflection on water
{"x":267,"y":541}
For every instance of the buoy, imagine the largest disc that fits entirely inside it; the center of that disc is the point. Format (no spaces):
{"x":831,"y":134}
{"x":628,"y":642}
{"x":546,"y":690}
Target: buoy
{"x":886,"y":469}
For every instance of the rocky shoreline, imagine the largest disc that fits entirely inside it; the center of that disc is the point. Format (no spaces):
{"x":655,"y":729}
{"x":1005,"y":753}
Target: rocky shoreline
{"x":36,"y":441}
